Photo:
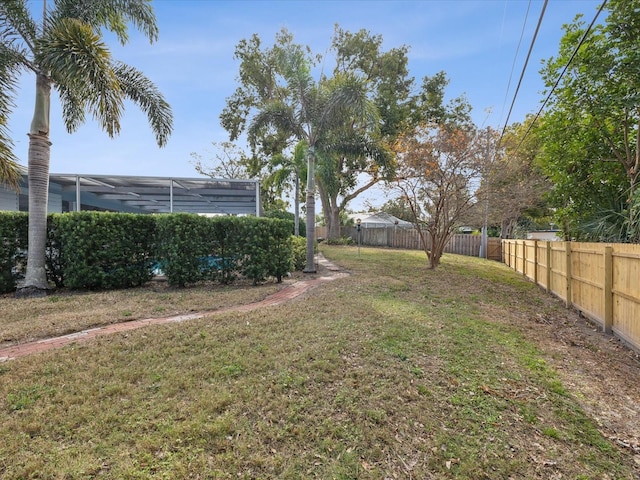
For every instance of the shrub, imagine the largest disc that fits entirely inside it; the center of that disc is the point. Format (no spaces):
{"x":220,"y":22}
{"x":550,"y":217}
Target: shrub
{"x":284,"y":215}
{"x":13,"y":248}
{"x":100,"y":250}
{"x":340,"y":241}
{"x":299,"y":253}
{"x":185,"y":245}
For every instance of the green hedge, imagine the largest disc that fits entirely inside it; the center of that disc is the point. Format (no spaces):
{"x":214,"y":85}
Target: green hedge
{"x":284,"y":215}
{"x":267,"y":249}
{"x":101,"y":250}
{"x":13,"y":248}
{"x":298,"y":253}
{"x":193,"y":248}
{"x":184,"y":246}
{"x":97,"y":250}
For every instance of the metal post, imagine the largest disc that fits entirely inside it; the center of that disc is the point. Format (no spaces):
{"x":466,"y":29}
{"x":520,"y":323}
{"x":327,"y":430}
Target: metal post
{"x":78,"y":196}
{"x":171,"y":195}
{"x":257,"y":198}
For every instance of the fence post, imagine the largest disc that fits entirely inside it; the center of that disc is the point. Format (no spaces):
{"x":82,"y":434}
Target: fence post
{"x":548,"y":267}
{"x":608,"y":287}
{"x":567,"y":248}
{"x":512,"y":248}
{"x":505,"y":246}
{"x":535,"y":262}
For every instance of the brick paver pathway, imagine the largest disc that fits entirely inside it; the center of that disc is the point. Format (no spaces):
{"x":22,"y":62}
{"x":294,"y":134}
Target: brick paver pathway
{"x":285,"y":294}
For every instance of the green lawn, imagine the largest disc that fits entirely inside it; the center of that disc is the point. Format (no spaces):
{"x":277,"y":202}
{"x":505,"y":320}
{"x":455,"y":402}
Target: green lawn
{"x":395,"y":371}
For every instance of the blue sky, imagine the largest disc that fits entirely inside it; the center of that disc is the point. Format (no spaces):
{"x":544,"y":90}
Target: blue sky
{"x":474,"y":42}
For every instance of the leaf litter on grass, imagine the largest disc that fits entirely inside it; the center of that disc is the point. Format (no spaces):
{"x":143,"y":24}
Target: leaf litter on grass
{"x":427,"y":375}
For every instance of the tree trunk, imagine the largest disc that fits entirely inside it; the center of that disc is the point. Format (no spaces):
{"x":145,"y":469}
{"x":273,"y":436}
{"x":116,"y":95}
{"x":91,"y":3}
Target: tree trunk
{"x":325,"y":206}
{"x":311,"y":212}
{"x":331,"y":213}
{"x":633,"y":231}
{"x":296,"y":214}
{"x":506,"y":228}
{"x":35,"y":282}
{"x":333,"y":227}
{"x":439,"y":240}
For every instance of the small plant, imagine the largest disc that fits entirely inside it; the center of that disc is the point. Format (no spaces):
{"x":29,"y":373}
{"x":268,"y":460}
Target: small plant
{"x":340,"y":241}
{"x":299,"y":253}
{"x":232,"y":371}
{"x":23,"y":398}
{"x":551,"y":432}
{"x":423,"y":390}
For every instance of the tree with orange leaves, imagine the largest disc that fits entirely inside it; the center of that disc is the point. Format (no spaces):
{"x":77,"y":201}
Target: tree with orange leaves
{"x":439,"y":167}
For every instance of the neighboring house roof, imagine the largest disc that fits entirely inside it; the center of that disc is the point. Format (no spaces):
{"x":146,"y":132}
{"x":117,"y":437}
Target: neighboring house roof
{"x":161,"y":194}
{"x":379,"y":219}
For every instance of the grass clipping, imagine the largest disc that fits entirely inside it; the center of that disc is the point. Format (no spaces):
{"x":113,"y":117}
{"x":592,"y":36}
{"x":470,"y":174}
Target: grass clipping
{"x":397,"y":371}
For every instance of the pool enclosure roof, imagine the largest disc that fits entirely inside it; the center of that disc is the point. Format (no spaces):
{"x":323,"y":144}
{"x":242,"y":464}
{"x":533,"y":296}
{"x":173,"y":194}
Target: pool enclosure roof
{"x":160,"y":194}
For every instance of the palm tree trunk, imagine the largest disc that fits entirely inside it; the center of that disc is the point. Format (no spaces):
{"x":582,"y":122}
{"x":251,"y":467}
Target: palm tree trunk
{"x":296,"y":202}
{"x":38,"y":170}
{"x":311,"y":212}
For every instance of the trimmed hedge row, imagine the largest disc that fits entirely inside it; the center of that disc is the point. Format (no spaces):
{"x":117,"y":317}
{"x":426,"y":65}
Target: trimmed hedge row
{"x":98,"y":250}
{"x":13,"y":248}
{"x":193,"y":248}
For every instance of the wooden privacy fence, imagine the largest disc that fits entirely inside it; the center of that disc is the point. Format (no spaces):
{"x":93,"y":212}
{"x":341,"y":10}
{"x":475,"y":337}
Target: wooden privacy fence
{"x":409,"y":238}
{"x":600,"y":280}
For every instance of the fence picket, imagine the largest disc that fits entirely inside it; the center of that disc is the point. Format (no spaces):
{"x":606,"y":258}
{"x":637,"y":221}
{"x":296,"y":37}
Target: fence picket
{"x":599,"y":280}
{"x":409,"y":238}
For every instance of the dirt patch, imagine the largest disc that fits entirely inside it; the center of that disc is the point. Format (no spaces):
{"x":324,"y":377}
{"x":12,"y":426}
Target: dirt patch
{"x":600,"y":371}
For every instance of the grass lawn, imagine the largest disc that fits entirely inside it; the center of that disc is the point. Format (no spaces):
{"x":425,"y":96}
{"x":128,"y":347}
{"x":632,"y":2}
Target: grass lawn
{"x":396,"y":371}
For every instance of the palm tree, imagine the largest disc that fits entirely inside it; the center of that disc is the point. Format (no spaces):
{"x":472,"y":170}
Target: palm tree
{"x":309,"y":111}
{"x":286,"y":167}
{"x":10,"y":173}
{"x":67,"y":53}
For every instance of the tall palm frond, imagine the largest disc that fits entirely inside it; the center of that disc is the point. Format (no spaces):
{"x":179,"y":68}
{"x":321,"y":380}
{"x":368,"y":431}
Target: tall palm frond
{"x":347,"y":99}
{"x":10,"y":173}
{"x":142,"y":91}
{"x":275,"y":114}
{"x":76,"y":58}
{"x":12,"y":58}
{"x":17,"y":26}
{"x":114,"y":15}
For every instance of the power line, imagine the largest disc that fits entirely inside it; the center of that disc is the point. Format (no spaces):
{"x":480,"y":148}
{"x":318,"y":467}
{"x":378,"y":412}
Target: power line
{"x":524,"y":68}
{"x":515,"y":58}
{"x":564,"y":70}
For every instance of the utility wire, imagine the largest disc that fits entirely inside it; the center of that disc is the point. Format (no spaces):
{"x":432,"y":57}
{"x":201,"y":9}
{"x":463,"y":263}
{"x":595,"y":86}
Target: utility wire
{"x":515,"y":57}
{"x":564,"y":70}
{"x":524,"y":68}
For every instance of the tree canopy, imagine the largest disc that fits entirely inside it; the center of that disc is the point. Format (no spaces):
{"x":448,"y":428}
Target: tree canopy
{"x":348,"y":116}
{"x":591,"y":139}
{"x":512,"y":182}
{"x":440,"y":163}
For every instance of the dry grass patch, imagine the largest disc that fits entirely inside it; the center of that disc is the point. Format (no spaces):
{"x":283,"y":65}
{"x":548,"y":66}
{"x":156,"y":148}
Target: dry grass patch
{"x":68,"y":311}
{"x":394,"y":372}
